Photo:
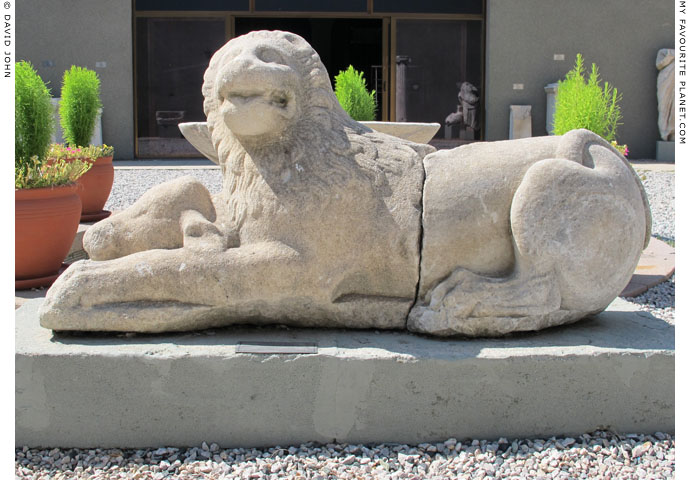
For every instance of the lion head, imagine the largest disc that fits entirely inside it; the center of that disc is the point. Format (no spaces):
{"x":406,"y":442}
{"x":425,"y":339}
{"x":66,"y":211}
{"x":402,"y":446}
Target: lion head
{"x":272,"y":117}
{"x":268,"y":87}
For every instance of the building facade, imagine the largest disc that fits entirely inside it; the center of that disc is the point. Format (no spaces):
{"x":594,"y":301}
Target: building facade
{"x":419,"y":56}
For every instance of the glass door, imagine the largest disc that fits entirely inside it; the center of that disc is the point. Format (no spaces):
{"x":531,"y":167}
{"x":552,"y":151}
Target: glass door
{"x":172,"y":55}
{"x":423,"y":69}
{"x":437,"y":69}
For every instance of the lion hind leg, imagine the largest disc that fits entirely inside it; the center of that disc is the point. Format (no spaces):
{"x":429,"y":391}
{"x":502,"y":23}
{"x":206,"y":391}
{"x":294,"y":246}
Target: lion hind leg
{"x":466,"y":303}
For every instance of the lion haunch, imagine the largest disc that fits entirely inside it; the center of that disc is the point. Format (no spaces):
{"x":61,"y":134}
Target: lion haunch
{"x":323,"y":222}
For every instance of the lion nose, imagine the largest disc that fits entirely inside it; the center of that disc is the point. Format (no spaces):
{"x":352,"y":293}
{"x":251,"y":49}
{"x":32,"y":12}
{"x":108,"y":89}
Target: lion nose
{"x":242,"y":71}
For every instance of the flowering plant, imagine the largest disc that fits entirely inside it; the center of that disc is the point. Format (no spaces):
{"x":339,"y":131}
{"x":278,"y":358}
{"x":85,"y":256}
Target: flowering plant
{"x":621,"y":148}
{"x":58,"y":151}
{"x":92,"y":152}
{"x":98,"y":151}
{"x":51,"y":172}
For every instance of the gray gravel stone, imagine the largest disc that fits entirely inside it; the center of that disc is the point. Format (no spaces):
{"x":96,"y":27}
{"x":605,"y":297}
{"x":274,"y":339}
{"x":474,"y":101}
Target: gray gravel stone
{"x":130,"y":184}
{"x":660,"y":301}
{"x":660,"y":188}
{"x":596,"y":455}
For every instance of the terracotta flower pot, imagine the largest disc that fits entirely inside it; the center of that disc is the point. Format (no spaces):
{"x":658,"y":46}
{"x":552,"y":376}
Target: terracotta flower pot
{"x":94,"y":189}
{"x":46,"y":221}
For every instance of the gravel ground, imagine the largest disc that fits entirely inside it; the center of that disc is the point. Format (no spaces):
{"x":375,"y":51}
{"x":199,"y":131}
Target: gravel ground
{"x":660,"y":188}
{"x":660,"y":301}
{"x":130,"y":184}
{"x":600,"y":455}
{"x":604,"y":455}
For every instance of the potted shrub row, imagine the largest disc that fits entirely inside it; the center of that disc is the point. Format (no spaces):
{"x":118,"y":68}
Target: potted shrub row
{"x":50,"y":180}
{"x":47,"y":206}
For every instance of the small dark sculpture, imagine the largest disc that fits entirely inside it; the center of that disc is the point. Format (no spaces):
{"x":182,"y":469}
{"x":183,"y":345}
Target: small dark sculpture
{"x":466,"y":115}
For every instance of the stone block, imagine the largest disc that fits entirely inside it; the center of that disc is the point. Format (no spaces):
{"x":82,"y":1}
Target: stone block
{"x":520,"y":121}
{"x":551,"y":90}
{"x":615,"y":370}
{"x":665,"y":151}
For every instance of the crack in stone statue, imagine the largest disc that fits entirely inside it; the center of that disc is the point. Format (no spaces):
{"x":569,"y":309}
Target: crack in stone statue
{"x":319,"y":222}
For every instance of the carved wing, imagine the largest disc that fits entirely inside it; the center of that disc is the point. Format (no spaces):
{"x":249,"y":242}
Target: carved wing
{"x":198,"y":135}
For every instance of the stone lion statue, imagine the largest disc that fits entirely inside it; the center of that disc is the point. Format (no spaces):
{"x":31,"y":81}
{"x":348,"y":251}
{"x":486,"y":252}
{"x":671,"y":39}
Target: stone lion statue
{"x":324,"y":222}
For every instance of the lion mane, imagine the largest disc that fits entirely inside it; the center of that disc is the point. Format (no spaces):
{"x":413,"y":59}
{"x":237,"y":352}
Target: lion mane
{"x":324,"y":141}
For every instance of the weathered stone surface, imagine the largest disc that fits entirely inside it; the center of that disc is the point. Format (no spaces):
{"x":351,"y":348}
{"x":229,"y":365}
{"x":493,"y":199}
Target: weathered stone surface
{"x":520,"y":122}
{"x":319,"y":222}
{"x":411,"y":131}
{"x":198,"y":135}
{"x":526,"y":234}
{"x":666,"y":92}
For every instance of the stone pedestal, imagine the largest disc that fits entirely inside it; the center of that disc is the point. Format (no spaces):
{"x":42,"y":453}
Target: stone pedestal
{"x":615,"y":370}
{"x":665,"y":151}
{"x":520,"y":121}
{"x":551,"y":90}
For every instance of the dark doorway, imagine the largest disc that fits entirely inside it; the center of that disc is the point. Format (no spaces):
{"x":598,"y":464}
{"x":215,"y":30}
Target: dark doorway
{"x":434,"y":59}
{"x":172,"y":55}
{"x":339,"y":43}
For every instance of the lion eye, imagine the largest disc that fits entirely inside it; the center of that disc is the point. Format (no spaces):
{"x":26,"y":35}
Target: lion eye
{"x":280,"y":99}
{"x":269,"y":55}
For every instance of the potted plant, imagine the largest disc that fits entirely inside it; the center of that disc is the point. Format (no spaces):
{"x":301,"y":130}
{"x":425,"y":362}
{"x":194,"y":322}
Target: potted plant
{"x":582,"y":103}
{"x":351,"y":91}
{"x":360,"y":104}
{"x":79,"y":107}
{"x":47,"y":206}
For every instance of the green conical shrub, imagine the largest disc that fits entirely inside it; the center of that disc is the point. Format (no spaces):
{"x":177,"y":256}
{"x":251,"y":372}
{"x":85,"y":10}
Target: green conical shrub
{"x":351,"y":91}
{"x":582,"y":103}
{"x":79,"y":105}
{"x":33,"y":114}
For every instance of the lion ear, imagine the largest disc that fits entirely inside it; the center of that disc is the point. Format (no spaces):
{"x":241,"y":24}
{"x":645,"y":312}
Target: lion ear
{"x":198,"y":135}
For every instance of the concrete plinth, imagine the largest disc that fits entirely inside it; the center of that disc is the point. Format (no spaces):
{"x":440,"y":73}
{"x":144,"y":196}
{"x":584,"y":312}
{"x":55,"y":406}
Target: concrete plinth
{"x":612,"y":371}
